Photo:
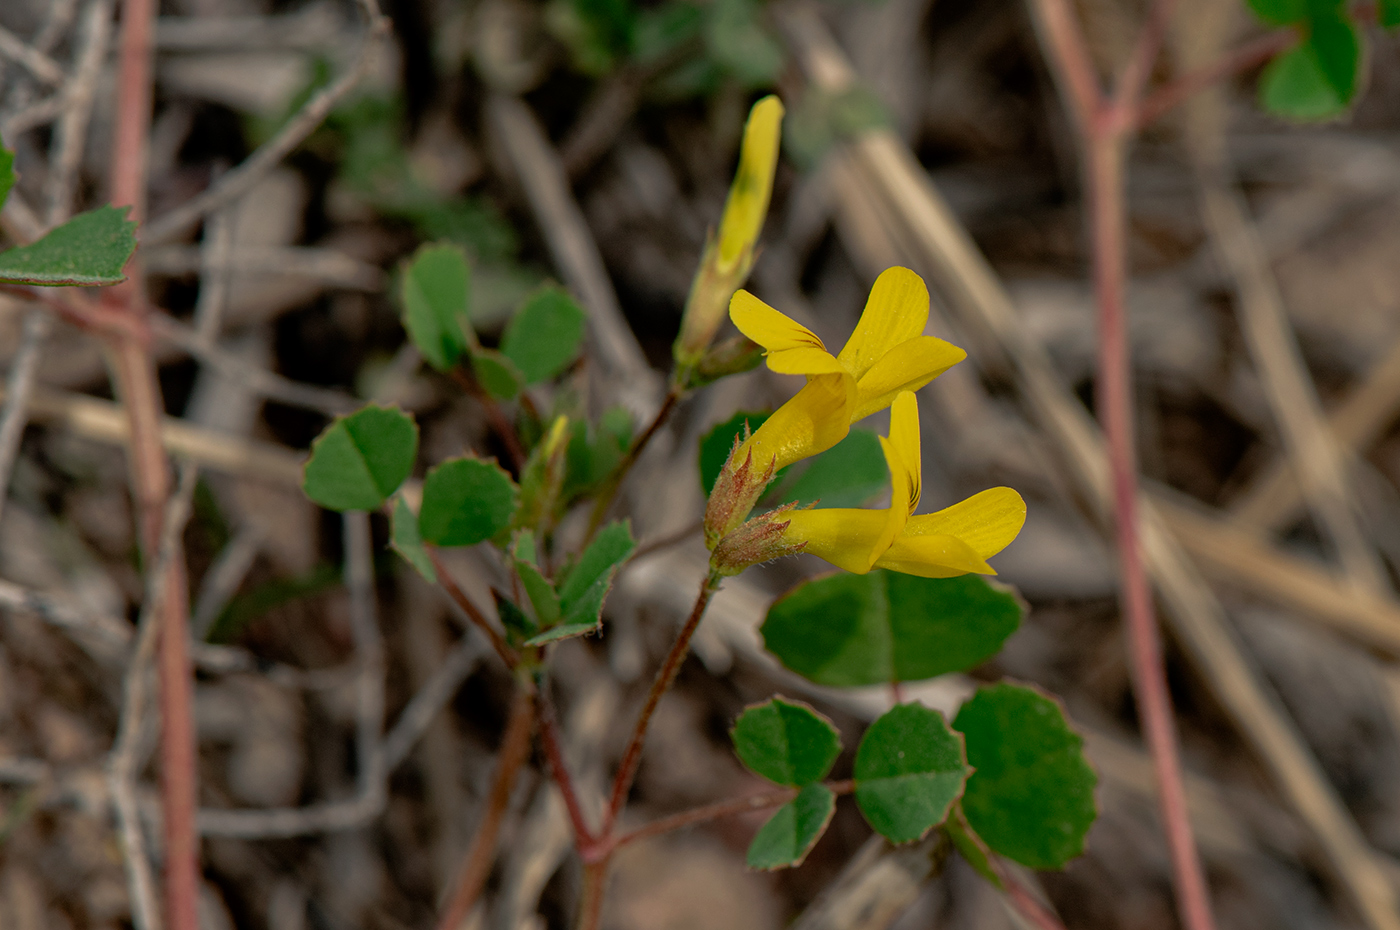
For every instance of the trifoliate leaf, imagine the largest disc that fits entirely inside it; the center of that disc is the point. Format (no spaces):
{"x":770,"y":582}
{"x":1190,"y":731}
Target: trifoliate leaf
{"x":789,"y":835}
{"x":360,"y":459}
{"x":846,"y":630}
{"x":909,"y":770}
{"x":1032,"y":795}
{"x":89,"y":250}
{"x":465,"y":501}
{"x":786,"y":742}
{"x":584,"y":588}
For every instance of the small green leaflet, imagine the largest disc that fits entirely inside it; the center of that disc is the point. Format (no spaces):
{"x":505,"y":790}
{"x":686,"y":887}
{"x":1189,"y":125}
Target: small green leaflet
{"x":584,"y":588}
{"x":544,"y":337}
{"x":973,"y":849}
{"x":736,"y":40}
{"x":1032,"y":795}
{"x":7,"y":173}
{"x":408,"y":543}
{"x":1388,"y":13}
{"x":518,"y":624}
{"x":786,"y":742}
{"x":360,"y":459}
{"x":540,"y":592}
{"x":497,"y":374}
{"x":594,"y":453}
{"x":1318,"y":79}
{"x":466,"y":501}
{"x":784,"y":841}
{"x":909,"y":770}
{"x":89,"y":250}
{"x":846,"y":630}
{"x":435,"y":289}
{"x":1279,"y":12}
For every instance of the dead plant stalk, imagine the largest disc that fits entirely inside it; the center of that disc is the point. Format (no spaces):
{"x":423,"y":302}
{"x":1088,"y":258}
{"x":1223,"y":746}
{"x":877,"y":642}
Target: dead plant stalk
{"x":1106,"y":123}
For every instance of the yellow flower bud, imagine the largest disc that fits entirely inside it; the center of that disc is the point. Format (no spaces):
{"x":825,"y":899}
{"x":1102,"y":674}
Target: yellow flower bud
{"x":747,"y":206}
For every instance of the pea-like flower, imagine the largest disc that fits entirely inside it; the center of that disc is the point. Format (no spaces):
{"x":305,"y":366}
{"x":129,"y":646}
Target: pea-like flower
{"x":886,"y":354}
{"x":954,"y":541}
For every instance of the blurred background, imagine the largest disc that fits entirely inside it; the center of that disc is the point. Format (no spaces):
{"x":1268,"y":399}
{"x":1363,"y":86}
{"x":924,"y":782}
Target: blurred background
{"x":591,"y":142}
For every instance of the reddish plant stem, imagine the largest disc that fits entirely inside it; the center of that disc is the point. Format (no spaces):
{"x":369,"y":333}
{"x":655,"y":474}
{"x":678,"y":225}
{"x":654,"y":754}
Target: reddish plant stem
{"x":1029,"y":907}
{"x":604,"y":501}
{"x":459,"y":597}
{"x":497,"y":417}
{"x":632,"y":757}
{"x":720,"y":809}
{"x":515,"y":749}
{"x":584,"y":838}
{"x":137,"y":384}
{"x":1250,"y":55}
{"x":1105,"y":124}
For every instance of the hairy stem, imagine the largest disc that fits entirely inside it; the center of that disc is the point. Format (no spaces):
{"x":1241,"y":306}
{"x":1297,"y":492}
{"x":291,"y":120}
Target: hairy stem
{"x":459,"y":597}
{"x":515,"y":749}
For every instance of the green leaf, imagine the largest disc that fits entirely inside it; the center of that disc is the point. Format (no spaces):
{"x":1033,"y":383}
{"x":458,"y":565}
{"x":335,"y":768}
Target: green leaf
{"x":585,"y":586}
{"x":909,"y":770}
{"x":1279,"y":12}
{"x":540,"y":592}
{"x":737,"y":42}
{"x":972,"y":847}
{"x":784,"y":841}
{"x":497,"y":374}
{"x":664,"y":29}
{"x":786,"y":742}
{"x":90,"y":249}
{"x":1032,"y":796}
{"x":594,"y":453}
{"x":848,"y":474}
{"x":846,"y":630}
{"x":1388,"y":13}
{"x":544,"y":337}
{"x":1317,"y":79}
{"x":7,"y":173}
{"x":716,"y":445}
{"x":408,"y":542}
{"x":360,"y":459}
{"x":518,"y":624}
{"x":436,"y":291}
{"x":466,"y":501}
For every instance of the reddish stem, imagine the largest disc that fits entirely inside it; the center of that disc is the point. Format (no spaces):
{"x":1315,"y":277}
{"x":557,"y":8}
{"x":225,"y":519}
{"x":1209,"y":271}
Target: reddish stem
{"x":459,"y":597}
{"x":1105,"y":124}
{"x":499,"y":421}
{"x":1029,"y":907}
{"x":603,"y":502}
{"x":720,"y":809}
{"x":515,"y":749}
{"x":554,"y":752}
{"x":632,"y":757}
{"x":140,"y":391}
{"x":1248,"y":56}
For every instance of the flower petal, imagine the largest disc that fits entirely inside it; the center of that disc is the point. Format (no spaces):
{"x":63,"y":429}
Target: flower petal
{"x":933,"y":557}
{"x":843,"y":537}
{"x":804,"y":361}
{"x":747,"y":204}
{"x":773,"y":330}
{"x":986,"y":522}
{"x":906,"y":367}
{"x":904,"y":440}
{"x":815,"y":419}
{"x":896,"y":312}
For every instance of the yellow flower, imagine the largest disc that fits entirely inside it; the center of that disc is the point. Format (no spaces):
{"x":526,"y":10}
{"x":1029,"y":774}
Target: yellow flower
{"x":886,"y":354}
{"x":953,"y":541}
